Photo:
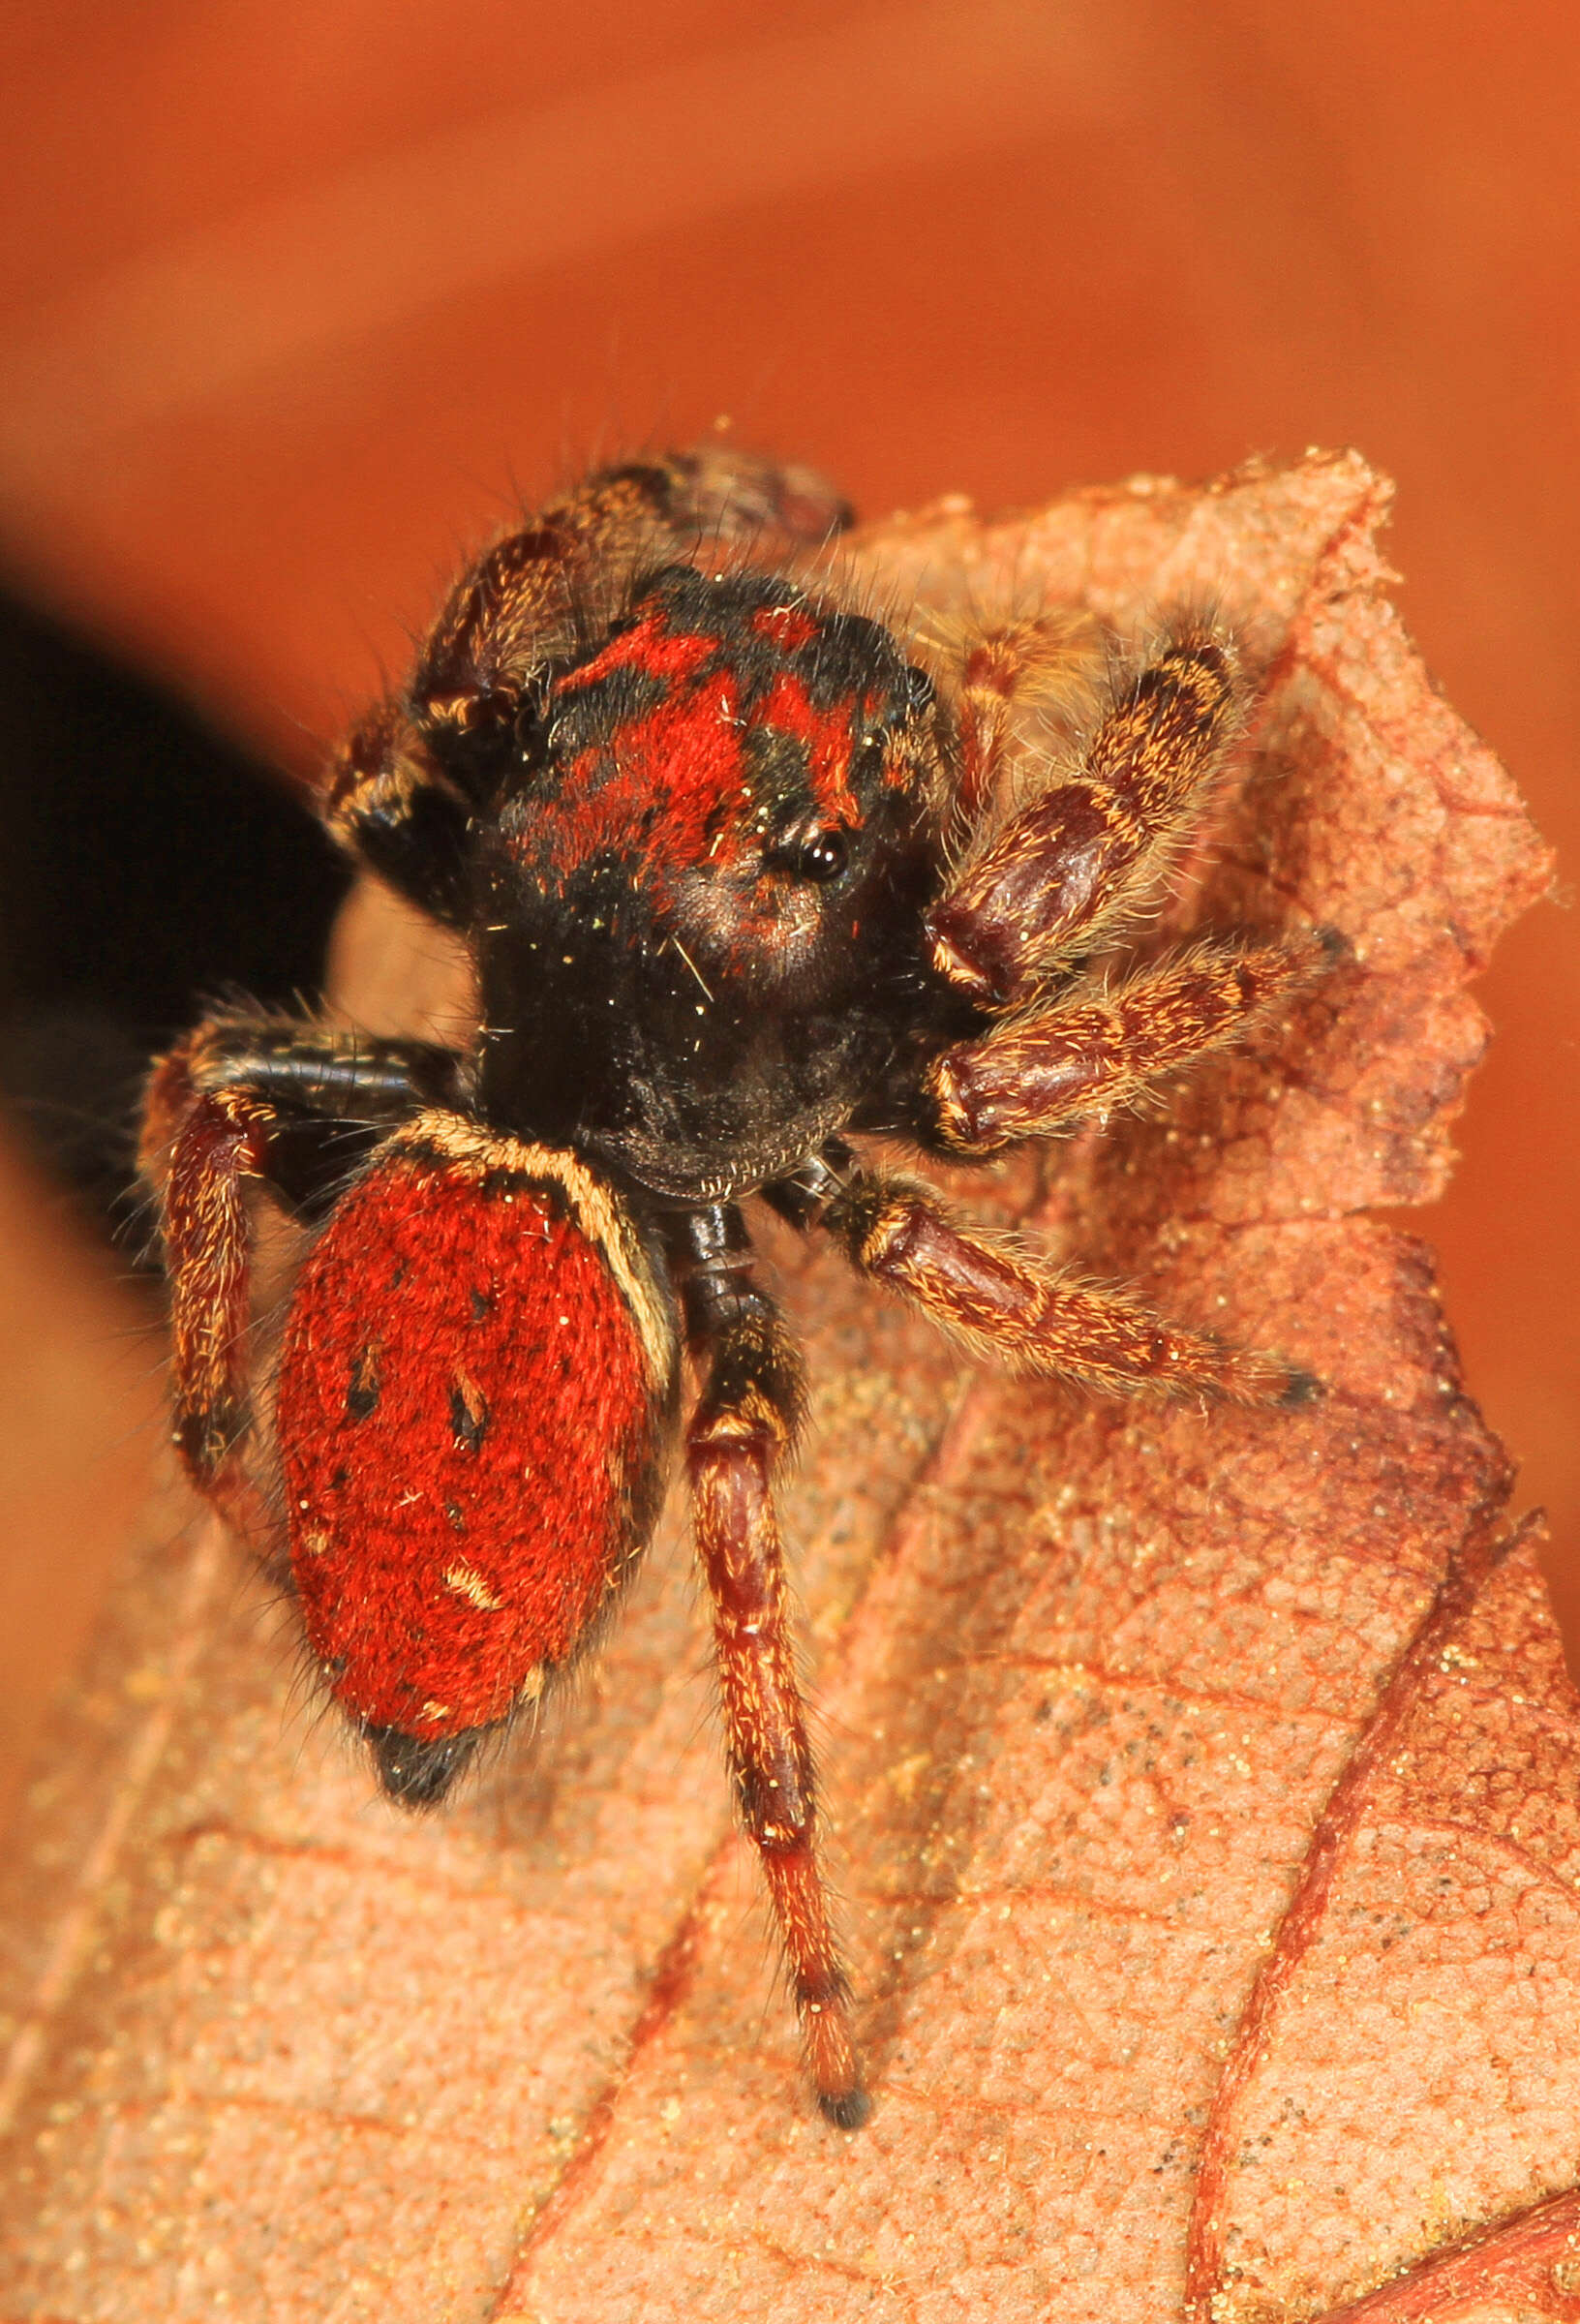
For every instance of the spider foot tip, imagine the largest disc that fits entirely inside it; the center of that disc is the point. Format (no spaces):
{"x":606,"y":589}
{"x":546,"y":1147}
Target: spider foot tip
{"x":846,"y":2109}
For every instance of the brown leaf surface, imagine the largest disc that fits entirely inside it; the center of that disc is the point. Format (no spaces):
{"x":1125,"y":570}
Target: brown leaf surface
{"x":1205,"y":1787}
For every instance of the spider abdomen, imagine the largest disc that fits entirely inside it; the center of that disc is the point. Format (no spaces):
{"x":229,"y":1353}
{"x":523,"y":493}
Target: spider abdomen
{"x":475,"y":1387}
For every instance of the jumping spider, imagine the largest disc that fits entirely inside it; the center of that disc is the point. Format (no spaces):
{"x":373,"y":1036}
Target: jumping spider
{"x":739,"y":876}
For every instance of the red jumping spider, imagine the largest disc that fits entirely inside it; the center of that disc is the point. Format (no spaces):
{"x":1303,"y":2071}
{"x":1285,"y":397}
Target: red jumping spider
{"x":738,"y":876}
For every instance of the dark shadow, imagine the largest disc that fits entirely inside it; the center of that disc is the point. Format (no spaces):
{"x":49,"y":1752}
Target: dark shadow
{"x":148,"y":864}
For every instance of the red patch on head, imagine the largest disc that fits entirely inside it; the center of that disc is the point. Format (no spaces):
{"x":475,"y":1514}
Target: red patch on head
{"x":786,"y":626}
{"x":670,"y":787}
{"x":826,"y":736}
{"x":463,"y":1412}
{"x":663,"y":785}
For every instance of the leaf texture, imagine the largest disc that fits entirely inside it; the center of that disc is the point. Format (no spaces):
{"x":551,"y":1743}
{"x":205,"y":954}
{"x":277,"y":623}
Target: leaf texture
{"x":1205,"y":1787}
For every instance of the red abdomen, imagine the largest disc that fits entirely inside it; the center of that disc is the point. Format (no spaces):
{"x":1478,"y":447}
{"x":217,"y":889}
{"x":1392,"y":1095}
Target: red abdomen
{"x":473,"y":1386}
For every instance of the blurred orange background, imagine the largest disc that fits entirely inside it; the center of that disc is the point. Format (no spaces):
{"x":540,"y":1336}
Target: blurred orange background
{"x":297,"y":300}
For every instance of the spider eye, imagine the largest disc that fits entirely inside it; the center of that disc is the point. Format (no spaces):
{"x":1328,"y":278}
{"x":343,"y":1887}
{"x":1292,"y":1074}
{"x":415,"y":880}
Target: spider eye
{"x":818,"y":855}
{"x":824,"y":856}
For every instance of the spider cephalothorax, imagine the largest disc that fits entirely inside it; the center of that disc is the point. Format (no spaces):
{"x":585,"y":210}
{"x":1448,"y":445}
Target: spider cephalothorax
{"x":740,"y":874}
{"x":701,"y":899}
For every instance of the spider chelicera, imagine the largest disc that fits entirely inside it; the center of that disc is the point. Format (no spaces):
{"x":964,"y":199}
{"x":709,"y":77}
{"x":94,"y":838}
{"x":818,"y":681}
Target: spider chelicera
{"x":742,"y":873}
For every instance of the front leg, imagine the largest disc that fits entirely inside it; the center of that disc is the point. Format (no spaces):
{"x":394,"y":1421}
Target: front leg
{"x":1034,"y":1075}
{"x":744,"y":1425}
{"x":993,"y":672}
{"x":1059,"y":879}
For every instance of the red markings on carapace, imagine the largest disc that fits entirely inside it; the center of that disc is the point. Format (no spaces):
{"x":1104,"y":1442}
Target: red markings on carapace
{"x":786,"y":626}
{"x":826,"y":736}
{"x":674,"y":787}
{"x":664,"y":786}
{"x":459,"y":1510}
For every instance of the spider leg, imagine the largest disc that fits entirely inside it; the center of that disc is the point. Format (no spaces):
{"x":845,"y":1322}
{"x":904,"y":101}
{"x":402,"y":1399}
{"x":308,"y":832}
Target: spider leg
{"x":991,"y":670}
{"x":1005,"y":1303}
{"x":744,"y":1425}
{"x":524,"y":601}
{"x":243,"y":1103}
{"x":1057,"y":878}
{"x":404,"y":788}
{"x":1036,"y":1074}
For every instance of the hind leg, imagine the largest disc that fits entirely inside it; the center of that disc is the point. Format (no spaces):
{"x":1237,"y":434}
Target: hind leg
{"x":743,"y":1428}
{"x":246,"y":1104}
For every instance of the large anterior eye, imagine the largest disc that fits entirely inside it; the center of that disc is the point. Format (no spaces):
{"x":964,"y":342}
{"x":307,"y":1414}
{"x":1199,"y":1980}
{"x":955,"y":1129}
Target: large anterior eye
{"x":818,"y":852}
{"x":824,"y":857}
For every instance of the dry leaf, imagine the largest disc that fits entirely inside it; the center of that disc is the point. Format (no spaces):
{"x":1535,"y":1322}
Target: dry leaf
{"x":1205,"y":1788}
